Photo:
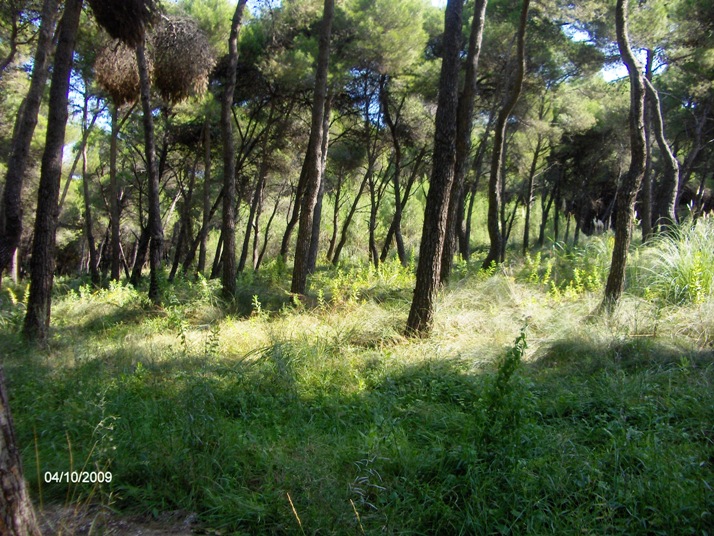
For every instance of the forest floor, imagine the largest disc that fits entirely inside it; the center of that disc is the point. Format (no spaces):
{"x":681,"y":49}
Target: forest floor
{"x":521,"y":414}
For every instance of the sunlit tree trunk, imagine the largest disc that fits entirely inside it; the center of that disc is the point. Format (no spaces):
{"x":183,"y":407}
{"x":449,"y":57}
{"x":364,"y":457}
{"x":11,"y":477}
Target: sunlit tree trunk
{"x":313,"y":158}
{"x":495,"y":230}
{"x":421,"y":314}
{"x":464,"y":120}
{"x":627,"y":191}
{"x":229,"y":164}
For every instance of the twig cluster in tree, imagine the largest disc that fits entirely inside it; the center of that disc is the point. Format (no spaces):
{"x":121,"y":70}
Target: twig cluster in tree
{"x":183,"y":59}
{"x":126,"y":20}
{"x":117,"y":72}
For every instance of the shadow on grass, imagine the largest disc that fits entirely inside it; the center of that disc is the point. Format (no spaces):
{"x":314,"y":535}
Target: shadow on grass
{"x":589,"y":437}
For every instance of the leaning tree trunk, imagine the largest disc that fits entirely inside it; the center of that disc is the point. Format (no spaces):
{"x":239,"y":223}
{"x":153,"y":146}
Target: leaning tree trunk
{"x":17,"y":516}
{"x":313,"y":157}
{"x":229,"y":164}
{"x":11,"y":217}
{"x":627,"y":191}
{"x":42,"y":264}
{"x":495,"y":232}
{"x":669,"y":162}
{"x":88,"y":222}
{"x":421,"y":313}
{"x":464,"y":120}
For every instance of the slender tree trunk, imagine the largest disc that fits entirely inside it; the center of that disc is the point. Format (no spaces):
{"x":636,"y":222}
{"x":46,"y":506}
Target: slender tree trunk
{"x":17,"y":516}
{"x":217,"y":258}
{"x":395,"y":229}
{"x":495,"y":232}
{"x":646,"y":195}
{"x":229,"y":164}
{"x":529,"y":194}
{"x":465,"y":238}
{"x":313,"y":157}
{"x":156,"y":232}
{"x":402,"y":205}
{"x":259,"y":258}
{"x":202,"y":237}
{"x":421,"y":314}
{"x":350,"y":215}
{"x":669,"y":162}
{"x":140,"y":257}
{"x":42,"y":264}
{"x":464,"y":121}
{"x":114,"y":195}
{"x":335,"y":215}
{"x":251,"y":229}
{"x":93,"y":259}
{"x":185,"y":231}
{"x":317,"y":218}
{"x":11,"y":213}
{"x":627,"y":191}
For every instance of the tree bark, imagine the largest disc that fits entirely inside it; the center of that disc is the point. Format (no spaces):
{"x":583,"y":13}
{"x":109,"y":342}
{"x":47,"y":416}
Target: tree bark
{"x":17,"y":516}
{"x":313,"y":158}
{"x":669,"y":162}
{"x":11,"y":213}
{"x":88,"y":222}
{"x":464,"y":122}
{"x":229,"y":165}
{"x":155,"y":229}
{"x":317,"y":217}
{"x":495,"y":232}
{"x":42,"y":264}
{"x":421,"y":313}
{"x":646,"y":191}
{"x":627,"y":191}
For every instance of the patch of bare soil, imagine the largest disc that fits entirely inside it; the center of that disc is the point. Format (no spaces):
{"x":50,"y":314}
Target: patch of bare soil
{"x":95,"y":520}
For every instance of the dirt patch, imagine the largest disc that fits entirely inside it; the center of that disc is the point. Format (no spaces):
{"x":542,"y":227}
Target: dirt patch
{"x":95,"y":520}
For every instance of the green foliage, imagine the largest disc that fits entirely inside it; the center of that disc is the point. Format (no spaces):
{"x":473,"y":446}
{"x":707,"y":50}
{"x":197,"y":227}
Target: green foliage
{"x":367,"y":431}
{"x":678,"y":268}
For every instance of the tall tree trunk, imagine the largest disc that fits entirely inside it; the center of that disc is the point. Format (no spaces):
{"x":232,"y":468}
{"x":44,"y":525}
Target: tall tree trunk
{"x":669,"y":162}
{"x":93,"y":258}
{"x":646,"y":195}
{"x":229,"y":164}
{"x":42,"y":264}
{"x":114,"y":195}
{"x":529,"y":194}
{"x":17,"y":516}
{"x":627,"y":191}
{"x":395,"y":229}
{"x":421,"y":314}
{"x":11,"y":212}
{"x":495,"y":232}
{"x":317,"y":217}
{"x":202,"y":238}
{"x":464,"y":121}
{"x":465,"y":230}
{"x":155,"y":229}
{"x":313,"y":158}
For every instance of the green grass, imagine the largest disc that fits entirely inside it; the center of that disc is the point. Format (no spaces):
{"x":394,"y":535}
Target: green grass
{"x":235,"y":410}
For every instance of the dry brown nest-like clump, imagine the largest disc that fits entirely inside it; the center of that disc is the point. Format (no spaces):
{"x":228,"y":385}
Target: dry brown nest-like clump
{"x":118,"y":73}
{"x":126,"y":20}
{"x":183,"y":59}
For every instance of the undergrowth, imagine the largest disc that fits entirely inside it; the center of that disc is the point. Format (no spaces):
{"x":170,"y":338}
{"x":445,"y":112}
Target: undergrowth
{"x":273,"y":416}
